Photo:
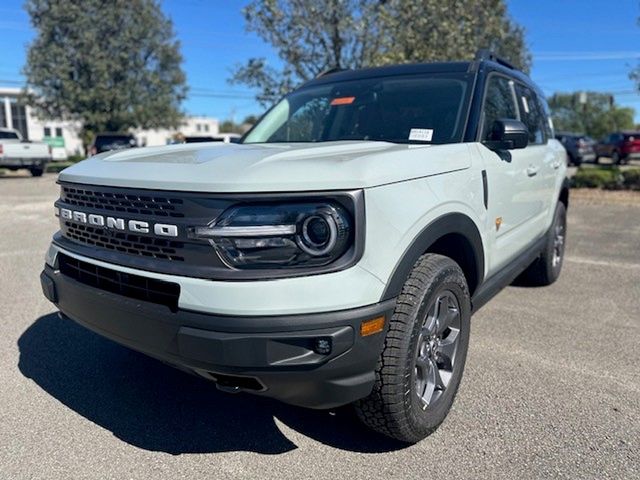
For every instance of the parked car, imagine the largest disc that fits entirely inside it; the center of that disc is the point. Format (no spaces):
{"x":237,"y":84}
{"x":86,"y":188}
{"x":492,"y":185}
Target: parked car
{"x":620,"y":147}
{"x":17,"y":153}
{"x":336,"y":255}
{"x":580,"y":148}
{"x":104,"y":142}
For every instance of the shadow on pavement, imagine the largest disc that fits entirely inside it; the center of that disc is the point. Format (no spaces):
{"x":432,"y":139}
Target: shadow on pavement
{"x":155,"y":407}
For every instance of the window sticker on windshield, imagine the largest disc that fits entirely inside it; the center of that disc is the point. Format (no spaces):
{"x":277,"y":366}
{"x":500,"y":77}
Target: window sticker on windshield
{"x":342,"y":101}
{"x":525,"y":104}
{"x":421,"y":134}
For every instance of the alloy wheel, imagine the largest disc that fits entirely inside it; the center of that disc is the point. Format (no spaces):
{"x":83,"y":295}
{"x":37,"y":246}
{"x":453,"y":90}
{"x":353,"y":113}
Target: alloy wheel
{"x":436,"y":350}
{"x":558,"y":243}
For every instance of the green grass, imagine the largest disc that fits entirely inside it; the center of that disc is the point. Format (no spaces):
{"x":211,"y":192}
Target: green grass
{"x":608,"y":178}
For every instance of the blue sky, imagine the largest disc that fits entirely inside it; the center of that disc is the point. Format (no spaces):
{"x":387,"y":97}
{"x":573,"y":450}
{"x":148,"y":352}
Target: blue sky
{"x":576,"y":45}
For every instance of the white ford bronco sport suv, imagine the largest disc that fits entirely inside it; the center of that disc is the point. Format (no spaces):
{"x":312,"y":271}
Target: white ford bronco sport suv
{"x":336,"y":254}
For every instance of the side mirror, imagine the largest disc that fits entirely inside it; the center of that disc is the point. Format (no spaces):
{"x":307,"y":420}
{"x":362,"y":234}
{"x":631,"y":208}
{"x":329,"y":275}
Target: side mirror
{"x":507,"y":134}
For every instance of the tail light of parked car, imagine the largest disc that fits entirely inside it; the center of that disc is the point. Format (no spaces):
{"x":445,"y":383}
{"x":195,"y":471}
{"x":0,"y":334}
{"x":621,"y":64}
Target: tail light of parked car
{"x":631,"y":144}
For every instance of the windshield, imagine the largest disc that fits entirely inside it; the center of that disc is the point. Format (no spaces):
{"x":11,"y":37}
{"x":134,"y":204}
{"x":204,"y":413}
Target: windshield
{"x":113,"y":142}
{"x":9,"y":135}
{"x":401,"y":109}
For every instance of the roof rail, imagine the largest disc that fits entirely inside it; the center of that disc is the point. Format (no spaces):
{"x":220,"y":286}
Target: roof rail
{"x":486,"y":54}
{"x":330,"y":71}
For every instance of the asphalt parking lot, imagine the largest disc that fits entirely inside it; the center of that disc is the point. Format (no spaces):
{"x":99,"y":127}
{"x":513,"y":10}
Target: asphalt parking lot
{"x":551,"y":388}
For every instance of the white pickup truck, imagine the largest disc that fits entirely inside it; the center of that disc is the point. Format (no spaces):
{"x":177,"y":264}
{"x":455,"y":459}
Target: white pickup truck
{"x":15,"y":152}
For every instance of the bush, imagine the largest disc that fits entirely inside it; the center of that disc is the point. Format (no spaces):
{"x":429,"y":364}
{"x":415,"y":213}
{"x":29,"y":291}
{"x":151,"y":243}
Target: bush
{"x":631,"y":179}
{"x":57,"y":167}
{"x":601,"y":177}
{"x":76,"y":158}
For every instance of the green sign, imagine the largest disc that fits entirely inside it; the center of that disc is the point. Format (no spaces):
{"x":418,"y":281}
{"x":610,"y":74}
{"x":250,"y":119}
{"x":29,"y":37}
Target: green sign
{"x":54,"y":141}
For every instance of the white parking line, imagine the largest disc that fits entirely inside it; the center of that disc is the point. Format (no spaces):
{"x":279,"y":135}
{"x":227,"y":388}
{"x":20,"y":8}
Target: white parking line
{"x":17,"y":253}
{"x":602,"y":263}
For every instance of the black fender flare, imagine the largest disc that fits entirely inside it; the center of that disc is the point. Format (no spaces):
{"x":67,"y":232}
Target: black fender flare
{"x":444,"y":225}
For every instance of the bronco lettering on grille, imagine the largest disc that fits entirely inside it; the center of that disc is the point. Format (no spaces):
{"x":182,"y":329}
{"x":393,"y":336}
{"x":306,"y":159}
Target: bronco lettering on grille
{"x":136,"y":226}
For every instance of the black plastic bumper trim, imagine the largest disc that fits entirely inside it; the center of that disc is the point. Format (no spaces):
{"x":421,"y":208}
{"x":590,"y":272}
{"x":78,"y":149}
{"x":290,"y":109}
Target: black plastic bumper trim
{"x":278,"y":351}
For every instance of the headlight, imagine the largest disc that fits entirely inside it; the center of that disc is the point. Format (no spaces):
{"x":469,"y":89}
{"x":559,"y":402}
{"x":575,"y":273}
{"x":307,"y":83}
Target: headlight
{"x":288,"y":235}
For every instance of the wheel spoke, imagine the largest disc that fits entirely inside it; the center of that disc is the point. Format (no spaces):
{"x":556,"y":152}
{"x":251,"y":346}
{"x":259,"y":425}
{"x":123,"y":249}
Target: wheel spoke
{"x":423,"y":364}
{"x":430,"y":323}
{"x":447,"y":348}
{"x":437,"y":378}
{"x":447,"y":320}
{"x":430,"y":386}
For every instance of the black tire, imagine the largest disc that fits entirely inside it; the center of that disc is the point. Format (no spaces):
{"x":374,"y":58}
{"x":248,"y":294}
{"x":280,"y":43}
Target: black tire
{"x":546,"y":269}
{"x":411,"y":357}
{"x":36,"y":171}
{"x":615,"y":158}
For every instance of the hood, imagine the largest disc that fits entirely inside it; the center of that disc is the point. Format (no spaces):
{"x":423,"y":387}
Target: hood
{"x":219,"y":167}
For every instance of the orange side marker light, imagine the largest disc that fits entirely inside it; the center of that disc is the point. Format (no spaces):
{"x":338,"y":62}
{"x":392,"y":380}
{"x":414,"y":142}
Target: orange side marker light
{"x":369,"y":327}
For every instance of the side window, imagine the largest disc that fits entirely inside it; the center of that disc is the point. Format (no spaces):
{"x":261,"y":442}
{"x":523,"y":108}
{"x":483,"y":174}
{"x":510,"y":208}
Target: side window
{"x":532,"y":115}
{"x":498,"y":103}
{"x":546,"y":114}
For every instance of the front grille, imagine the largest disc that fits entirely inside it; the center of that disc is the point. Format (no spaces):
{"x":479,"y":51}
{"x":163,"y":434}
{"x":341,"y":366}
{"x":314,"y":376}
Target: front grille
{"x":132,"y":244}
{"x":131,"y":286}
{"x":100,"y":199}
{"x":144,"y":250}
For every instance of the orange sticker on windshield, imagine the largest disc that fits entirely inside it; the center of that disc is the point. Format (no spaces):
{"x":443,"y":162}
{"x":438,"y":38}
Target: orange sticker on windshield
{"x":342,"y":101}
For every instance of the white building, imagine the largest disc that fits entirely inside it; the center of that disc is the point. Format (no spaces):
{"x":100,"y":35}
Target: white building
{"x":64,"y":137}
{"x":190,"y":127}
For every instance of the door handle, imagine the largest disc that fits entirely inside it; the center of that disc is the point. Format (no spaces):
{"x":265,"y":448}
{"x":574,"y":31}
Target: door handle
{"x":532,"y":171}
{"x":556,"y":164}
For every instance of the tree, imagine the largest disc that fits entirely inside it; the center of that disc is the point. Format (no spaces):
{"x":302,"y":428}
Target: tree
{"x":111,"y":65}
{"x":229,"y":126}
{"x":313,"y":36}
{"x":437,"y":30}
{"x":597,"y":117}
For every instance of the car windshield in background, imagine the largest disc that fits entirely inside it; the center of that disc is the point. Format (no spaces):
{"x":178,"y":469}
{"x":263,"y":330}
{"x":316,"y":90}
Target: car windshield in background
{"x":114,"y":142}
{"x":202,"y":139}
{"x":400,"y":109}
{"x":9,"y":135}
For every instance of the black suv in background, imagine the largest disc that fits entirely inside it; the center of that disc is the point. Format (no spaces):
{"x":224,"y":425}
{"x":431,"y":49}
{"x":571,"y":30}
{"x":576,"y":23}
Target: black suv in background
{"x":620,"y":147}
{"x":580,"y":148}
{"x":111,"y":141}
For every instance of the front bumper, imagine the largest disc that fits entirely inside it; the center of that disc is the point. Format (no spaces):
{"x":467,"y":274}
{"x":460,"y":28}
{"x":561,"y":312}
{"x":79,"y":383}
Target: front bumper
{"x":274,"y":356}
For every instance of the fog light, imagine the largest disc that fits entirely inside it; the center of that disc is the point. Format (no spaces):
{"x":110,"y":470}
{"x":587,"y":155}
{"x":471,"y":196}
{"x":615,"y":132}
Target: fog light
{"x":322,"y":346}
{"x":369,"y":327}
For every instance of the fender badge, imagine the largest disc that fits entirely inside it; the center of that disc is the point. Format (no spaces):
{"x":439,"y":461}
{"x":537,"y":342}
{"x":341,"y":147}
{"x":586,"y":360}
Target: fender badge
{"x":498,"y":223}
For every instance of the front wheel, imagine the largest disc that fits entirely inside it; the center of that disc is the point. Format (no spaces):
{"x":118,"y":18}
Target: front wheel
{"x":615,"y":158}
{"x":421,"y":365}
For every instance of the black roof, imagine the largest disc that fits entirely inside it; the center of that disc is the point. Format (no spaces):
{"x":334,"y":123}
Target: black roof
{"x":417,"y":68}
{"x":391,"y":70}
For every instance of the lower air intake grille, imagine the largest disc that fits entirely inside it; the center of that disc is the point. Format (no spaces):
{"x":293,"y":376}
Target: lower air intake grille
{"x":132,"y":286}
